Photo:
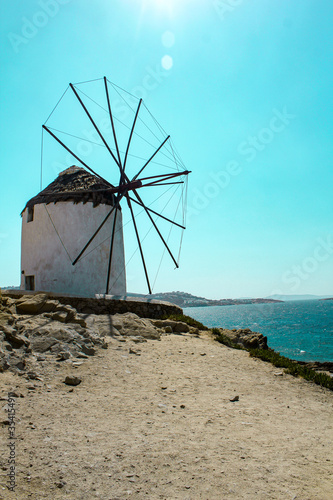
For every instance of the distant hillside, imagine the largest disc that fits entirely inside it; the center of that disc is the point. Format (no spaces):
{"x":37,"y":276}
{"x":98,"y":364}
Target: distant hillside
{"x":184,"y":299}
{"x":286,"y":298}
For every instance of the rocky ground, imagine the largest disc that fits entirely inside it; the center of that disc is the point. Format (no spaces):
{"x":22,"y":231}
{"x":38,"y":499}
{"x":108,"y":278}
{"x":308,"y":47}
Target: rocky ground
{"x":118,"y":406}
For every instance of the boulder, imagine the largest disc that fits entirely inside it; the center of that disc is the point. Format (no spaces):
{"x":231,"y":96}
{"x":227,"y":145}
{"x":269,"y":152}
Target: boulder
{"x":31,"y":304}
{"x":166,"y":324}
{"x":246,"y":338}
{"x":129,"y":324}
{"x":102,"y":324}
{"x":55,"y":329}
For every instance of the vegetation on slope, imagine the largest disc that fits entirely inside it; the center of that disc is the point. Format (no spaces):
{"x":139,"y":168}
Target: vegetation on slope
{"x":291,"y":366}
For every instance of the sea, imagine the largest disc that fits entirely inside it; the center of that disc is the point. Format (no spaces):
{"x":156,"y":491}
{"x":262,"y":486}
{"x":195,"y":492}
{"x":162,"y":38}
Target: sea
{"x":301,"y":330}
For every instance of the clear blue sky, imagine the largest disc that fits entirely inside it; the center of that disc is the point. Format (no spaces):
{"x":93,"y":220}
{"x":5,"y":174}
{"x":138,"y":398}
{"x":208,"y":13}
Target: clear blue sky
{"x":247,"y":99}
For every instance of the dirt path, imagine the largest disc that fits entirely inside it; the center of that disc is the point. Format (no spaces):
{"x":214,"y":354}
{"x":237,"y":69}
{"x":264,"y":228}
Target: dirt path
{"x":159,"y":424}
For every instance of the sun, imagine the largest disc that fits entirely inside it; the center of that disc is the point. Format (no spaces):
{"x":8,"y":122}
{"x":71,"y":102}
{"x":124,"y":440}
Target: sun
{"x":164,"y":6}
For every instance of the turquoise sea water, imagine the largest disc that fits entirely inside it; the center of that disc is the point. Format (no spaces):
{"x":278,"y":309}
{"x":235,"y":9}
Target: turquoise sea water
{"x":301,"y":330}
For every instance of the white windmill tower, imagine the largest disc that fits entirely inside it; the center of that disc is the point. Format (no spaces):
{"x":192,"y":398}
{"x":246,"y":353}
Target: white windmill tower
{"x":57,"y":223}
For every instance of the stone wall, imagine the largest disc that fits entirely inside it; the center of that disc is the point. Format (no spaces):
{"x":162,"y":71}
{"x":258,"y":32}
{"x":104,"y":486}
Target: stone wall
{"x":153,"y":309}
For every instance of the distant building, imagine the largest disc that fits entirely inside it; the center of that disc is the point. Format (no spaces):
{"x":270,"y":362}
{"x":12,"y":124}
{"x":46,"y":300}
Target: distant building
{"x":56,"y":225}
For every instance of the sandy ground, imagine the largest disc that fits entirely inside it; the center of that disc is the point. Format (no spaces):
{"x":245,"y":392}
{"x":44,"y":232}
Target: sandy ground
{"x":159,"y":424}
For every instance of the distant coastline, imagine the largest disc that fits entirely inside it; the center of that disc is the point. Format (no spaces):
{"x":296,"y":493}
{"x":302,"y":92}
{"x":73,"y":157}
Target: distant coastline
{"x":184,"y":299}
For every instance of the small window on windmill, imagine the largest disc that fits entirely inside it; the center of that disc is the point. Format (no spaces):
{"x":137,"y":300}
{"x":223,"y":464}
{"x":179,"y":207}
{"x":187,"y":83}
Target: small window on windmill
{"x":30,"y":216}
{"x":30,"y":283}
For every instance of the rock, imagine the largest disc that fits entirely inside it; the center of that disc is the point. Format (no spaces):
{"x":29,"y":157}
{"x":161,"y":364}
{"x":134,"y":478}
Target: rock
{"x":166,"y":324}
{"x":138,"y":340}
{"x":14,"y":338}
{"x":31,"y":304}
{"x":176,"y":326}
{"x":63,"y":355}
{"x":4,"y":365}
{"x":234,"y":399}
{"x":72,"y":380}
{"x":20,"y":365}
{"x":81,"y":355}
{"x":129,"y":324}
{"x":61,"y":347}
{"x":66,"y":314}
{"x":60,"y":484}
{"x":246,"y":338}
{"x":132,"y":351}
{"x":5,"y":319}
{"x":53,"y":332}
{"x":102,"y":324}
{"x":60,"y":316}
{"x":33,"y":376}
{"x":49,"y":306}
{"x":42,"y":344}
{"x":90,"y":351}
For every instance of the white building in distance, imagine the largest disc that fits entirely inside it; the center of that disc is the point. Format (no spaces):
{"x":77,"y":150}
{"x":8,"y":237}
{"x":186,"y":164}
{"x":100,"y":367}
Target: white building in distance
{"x":57,"y":224}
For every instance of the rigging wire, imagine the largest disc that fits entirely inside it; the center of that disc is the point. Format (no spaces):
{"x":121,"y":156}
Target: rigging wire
{"x":135,"y":133}
{"x":184,"y":221}
{"x":165,"y":133}
{"x":132,"y":256}
{"x":139,"y":115}
{"x":151,"y":227}
{"x":103,"y":146}
{"x":55,"y":106}
{"x":124,"y":225}
{"x":160,"y":264}
{"x":124,"y":90}
{"x":58,"y":233}
{"x":126,"y":126}
{"x":88,"y":81}
{"x":77,"y":137}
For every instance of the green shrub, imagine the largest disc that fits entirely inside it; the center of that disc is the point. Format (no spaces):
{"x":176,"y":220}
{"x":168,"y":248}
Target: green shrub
{"x":293,"y":367}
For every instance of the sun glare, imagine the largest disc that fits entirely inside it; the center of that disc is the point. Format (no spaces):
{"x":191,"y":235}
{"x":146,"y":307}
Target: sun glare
{"x":164,"y":6}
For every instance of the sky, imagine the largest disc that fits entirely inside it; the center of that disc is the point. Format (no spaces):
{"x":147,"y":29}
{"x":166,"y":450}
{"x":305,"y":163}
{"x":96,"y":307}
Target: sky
{"x":244,"y":88}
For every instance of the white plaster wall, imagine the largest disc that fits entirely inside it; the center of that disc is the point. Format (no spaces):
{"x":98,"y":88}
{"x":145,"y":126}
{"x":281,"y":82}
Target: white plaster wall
{"x":44,"y":256}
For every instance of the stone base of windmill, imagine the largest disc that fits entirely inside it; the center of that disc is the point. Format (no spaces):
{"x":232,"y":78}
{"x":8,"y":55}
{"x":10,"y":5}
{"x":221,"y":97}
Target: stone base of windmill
{"x":104,"y":304}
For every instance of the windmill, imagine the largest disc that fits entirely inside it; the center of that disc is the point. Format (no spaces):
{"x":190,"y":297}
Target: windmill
{"x":131,"y":157}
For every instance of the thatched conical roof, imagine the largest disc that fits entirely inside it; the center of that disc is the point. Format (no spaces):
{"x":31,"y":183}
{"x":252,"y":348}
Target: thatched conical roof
{"x":77,"y":185}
